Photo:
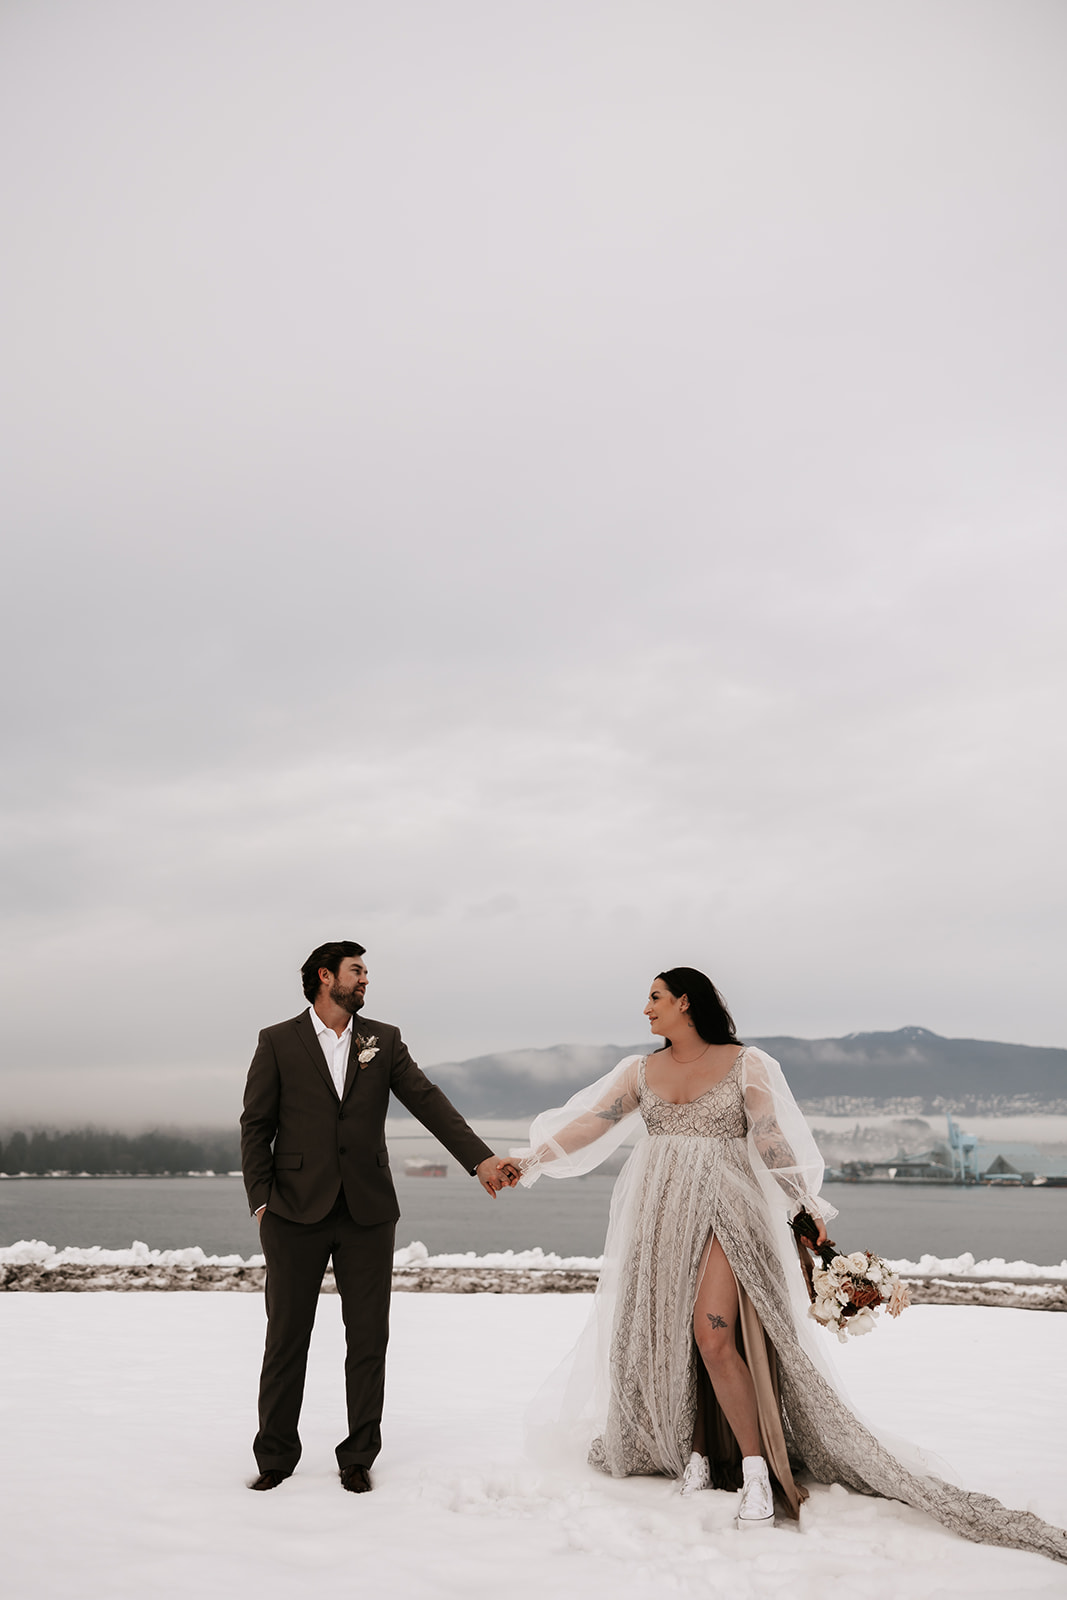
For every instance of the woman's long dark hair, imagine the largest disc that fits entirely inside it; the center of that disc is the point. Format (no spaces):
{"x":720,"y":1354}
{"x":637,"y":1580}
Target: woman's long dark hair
{"x":707,"y":1008}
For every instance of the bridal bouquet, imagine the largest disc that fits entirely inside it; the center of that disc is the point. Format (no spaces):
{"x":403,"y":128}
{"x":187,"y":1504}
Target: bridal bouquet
{"x":846,"y":1291}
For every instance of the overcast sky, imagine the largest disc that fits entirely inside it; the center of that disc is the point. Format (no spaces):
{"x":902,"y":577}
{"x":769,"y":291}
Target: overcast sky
{"x":547,"y":490}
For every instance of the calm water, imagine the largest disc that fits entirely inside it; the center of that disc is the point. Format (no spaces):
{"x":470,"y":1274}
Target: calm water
{"x":453,"y":1213}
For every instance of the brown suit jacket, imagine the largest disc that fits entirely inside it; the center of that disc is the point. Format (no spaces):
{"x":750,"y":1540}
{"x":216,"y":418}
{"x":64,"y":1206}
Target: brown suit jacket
{"x":301,"y":1144}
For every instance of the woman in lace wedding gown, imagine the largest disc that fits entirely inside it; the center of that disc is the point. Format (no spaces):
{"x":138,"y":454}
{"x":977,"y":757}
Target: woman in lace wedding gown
{"x":701,"y":1355}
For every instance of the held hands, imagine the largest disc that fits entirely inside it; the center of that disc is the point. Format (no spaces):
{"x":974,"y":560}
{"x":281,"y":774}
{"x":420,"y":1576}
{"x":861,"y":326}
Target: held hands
{"x":495,"y":1173}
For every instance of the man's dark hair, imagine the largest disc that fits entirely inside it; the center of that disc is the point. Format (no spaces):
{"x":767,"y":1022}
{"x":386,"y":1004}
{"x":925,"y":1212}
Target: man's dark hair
{"x":329,"y":956}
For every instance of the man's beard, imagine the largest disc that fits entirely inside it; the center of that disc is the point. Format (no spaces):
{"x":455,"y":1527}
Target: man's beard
{"x":349,"y":1000}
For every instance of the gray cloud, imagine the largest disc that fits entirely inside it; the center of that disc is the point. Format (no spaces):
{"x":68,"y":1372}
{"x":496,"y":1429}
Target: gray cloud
{"x":546,"y":494}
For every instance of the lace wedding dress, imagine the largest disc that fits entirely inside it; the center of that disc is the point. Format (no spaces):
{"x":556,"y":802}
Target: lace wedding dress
{"x":718,"y":1166}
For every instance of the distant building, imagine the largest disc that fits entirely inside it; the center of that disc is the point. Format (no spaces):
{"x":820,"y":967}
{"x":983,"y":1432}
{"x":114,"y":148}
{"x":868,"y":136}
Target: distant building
{"x":1002,"y":1172}
{"x":967,"y":1161}
{"x":930,"y":1166}
{"x":1025,"y":1160}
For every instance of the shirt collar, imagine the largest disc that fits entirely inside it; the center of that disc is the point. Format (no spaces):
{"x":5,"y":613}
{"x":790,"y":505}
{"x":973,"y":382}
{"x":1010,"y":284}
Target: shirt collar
{"x":321,"y":1028}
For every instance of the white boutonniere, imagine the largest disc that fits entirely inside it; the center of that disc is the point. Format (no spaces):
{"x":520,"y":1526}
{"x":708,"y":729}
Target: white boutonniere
{"x":366,"y":1049}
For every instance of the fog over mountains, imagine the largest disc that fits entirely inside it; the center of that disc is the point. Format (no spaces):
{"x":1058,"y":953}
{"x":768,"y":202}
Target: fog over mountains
{"x":911,"y":1063}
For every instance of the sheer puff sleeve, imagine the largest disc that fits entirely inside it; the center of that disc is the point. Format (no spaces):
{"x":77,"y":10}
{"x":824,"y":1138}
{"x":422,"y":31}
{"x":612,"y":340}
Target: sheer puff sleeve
{"x":780,"y":1143}
{"x":577,"y":1137}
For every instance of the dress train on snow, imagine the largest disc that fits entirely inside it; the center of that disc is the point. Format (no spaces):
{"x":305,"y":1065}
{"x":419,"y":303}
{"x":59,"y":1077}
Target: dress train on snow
{"x":730,"y":1165}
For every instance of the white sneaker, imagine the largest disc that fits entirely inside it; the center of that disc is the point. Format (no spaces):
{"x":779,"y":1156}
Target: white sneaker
{"x":755,"y":1509}
{"x":696,"y":1476}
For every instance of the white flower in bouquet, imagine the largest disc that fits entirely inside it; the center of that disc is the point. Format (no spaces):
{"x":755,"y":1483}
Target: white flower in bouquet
{"x":862,"y":1322}
{"x":857,"y":1262}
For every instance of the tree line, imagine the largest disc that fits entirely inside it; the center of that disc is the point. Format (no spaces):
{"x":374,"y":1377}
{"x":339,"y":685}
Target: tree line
{"x":99,"y":1152}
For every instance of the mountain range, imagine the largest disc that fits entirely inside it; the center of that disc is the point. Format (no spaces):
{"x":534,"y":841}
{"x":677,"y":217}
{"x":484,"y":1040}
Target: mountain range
{"x":910,"y":1063}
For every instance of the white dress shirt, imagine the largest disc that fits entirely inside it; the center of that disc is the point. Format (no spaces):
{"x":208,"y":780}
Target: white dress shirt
{"x":333,"y":1048}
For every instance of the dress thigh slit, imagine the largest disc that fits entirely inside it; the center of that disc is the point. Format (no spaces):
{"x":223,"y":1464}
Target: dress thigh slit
{"x":758,"y":1354}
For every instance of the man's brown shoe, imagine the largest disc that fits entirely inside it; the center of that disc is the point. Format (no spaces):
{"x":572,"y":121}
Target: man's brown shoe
{"x":355,"y":1478}
{"x":269,"y":1479}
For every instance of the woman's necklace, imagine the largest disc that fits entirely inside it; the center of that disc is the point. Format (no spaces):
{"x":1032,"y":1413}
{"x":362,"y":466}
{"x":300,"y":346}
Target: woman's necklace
{"x":679,"y":1063}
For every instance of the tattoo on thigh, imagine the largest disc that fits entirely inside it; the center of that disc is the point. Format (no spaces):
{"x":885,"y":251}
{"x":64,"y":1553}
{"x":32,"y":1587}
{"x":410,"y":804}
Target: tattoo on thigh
{"x":717,"y":1322}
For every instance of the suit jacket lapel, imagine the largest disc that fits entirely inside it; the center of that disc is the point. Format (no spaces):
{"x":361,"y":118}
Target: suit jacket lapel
{"x":310,"y":1040}
{"x":352,"y":1070}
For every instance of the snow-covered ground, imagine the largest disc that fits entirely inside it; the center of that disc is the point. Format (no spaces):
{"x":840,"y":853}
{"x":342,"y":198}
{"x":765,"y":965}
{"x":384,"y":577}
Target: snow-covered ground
{"x":126,"y":1422}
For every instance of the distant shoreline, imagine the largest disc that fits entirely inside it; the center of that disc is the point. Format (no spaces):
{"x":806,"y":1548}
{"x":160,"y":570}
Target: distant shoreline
{"x":842,"y":1183}
{"x":39,"y":1177}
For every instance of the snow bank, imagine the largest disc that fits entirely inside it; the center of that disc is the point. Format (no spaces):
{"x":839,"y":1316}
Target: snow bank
{"x":966,"y":1266}
{"x":536,"y":1260}
{"x":34,"y":1267}
{"x":34,"y":1252}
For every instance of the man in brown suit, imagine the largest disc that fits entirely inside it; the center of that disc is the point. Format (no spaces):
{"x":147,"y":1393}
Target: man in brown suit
{"x":317,"y":1174}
